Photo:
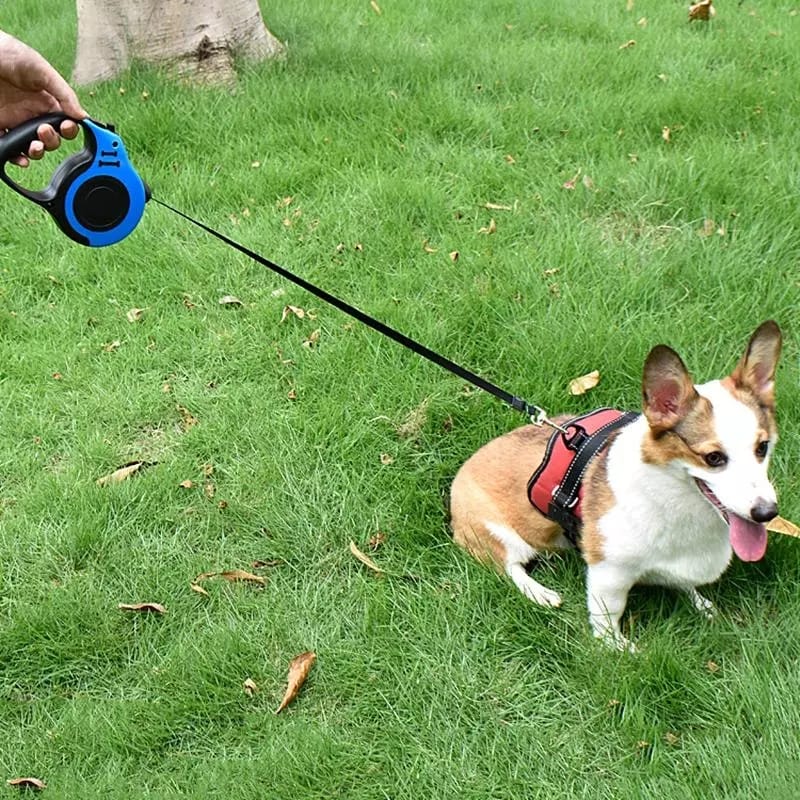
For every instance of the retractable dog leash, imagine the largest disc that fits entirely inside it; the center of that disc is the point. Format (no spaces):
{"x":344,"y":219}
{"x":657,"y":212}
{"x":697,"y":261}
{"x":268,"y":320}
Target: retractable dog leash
{"x":97,"y":198}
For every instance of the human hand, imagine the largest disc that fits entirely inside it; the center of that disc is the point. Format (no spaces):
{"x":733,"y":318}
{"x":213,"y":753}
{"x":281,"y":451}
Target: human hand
{"x":30,"y":86}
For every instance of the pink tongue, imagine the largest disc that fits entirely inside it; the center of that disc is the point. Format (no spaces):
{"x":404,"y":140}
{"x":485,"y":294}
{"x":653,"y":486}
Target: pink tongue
{"x":748,"y":539}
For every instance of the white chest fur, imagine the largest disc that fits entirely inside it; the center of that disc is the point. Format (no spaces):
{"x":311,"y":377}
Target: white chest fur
{"x":661,"y":530}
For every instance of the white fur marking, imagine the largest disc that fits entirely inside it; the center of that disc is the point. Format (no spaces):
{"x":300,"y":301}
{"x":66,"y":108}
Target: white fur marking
{"x":519,"y":553}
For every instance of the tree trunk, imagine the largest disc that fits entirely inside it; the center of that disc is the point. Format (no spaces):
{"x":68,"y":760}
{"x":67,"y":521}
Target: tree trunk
{"x":199,"y":39}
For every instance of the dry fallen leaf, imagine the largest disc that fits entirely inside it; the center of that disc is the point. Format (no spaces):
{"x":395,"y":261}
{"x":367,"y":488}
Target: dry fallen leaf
{"x":209,"y":490}
{"x":584,"y":383}
{"x":377,"y":540}
{"x":27,"y":783}
{"x":135,"y":314}
{"x":490,"y":228}
{"x":628,"y":44}
{"x":666,"y":133}
{"x":232,"y":575}
{"x":427,"y":247}
{"x":454,"y":255}
{"x":111,"y":347}
{"x":570,"y":184}
{"x":296,"y":310}
{"x":784,"y":526}
{"x":195,"y":587}
{"x":250,"y":687}
{"x":155,"y":608}
{"x":712,"y":667}
{"x":365,"y":559}
{"x":386,"y":459}
{"x":415,"y":420}
{"x":188,"y":420}
{"x":299,"y":668}
{"x":703,"y":10}
{"x":312,"y":339}
{"x":123,"y":473}
{"x":708,"y":229}
{"x":497,"y":207}
{"x":230,"y":300}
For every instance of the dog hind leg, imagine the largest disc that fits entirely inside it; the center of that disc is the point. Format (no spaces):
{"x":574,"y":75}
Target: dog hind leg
{"x":517,"y":554}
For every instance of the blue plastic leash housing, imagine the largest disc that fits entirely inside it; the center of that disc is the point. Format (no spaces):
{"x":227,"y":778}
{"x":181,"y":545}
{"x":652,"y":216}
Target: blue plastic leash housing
{"x":95,"y":196}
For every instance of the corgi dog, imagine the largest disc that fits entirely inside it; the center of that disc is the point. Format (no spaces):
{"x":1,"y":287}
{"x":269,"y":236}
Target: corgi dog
{"x":668,"y":498}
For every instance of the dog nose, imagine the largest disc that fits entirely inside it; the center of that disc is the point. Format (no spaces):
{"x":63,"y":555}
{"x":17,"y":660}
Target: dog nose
{"x":764,"y":510}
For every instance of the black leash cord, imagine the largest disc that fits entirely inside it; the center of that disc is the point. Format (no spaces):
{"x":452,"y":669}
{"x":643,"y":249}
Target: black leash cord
{"x":536,"y":413}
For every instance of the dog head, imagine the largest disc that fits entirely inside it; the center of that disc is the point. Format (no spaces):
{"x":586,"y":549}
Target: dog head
{"x":722,"y":433}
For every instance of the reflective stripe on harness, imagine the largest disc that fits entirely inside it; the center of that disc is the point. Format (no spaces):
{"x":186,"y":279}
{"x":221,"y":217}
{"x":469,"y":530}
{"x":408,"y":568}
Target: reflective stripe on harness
{"x":556,"y":487}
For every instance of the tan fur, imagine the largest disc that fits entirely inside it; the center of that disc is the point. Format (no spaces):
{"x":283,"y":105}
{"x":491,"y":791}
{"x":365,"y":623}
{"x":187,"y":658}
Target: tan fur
{"x":492,"y":485}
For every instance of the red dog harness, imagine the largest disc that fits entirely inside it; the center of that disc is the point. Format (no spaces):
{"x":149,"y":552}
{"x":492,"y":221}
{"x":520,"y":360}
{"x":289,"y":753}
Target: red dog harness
{"x":556,"y":488}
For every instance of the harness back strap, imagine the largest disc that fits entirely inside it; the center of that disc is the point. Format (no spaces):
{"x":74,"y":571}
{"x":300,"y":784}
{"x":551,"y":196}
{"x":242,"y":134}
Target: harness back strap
{"x":555,"y":488}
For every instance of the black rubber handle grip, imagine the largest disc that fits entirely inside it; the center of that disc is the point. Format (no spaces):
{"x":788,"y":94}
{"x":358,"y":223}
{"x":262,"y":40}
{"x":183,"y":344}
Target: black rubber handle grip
{"x":19,"y":139}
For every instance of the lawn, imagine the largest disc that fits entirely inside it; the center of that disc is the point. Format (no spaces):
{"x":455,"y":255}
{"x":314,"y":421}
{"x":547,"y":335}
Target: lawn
{"x":536,"y":190}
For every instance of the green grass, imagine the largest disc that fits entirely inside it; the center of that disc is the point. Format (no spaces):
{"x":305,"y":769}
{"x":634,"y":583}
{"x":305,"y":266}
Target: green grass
{"x":389,"y":131}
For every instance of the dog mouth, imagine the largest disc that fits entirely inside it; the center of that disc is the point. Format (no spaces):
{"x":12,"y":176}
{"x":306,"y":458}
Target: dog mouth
{"x":748,"y":538}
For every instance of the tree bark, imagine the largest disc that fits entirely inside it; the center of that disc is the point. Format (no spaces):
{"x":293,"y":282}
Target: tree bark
{"x":198,"y":39}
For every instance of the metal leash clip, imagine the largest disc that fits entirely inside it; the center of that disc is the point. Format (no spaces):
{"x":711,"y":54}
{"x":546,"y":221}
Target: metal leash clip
{"x":538,"y":417}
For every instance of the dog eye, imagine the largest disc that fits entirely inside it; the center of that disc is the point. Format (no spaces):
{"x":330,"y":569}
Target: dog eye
{"x":715,"y":459}
{"x":762,"y":449}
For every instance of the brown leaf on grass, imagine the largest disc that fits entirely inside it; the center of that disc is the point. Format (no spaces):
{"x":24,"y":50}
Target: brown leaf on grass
{"x":454,"y":254}
{"x":196,"y":587}
{"x":387,"y":459}
{"x":426,"y":246}
{"x":666,"y":133}
{"x":153,"y":608}
{"x":703,"y":10}
{"x":188,"y":420}
{"x":365,"y":559}
{"x":626,"y":45}
{"x":265,"y":563}
{"x":209,"y":490}
{"x":250,"y":687}
{"x":712,"y":667}
{"x":570,"y":184}
{"x":135,"y":315}
{"x":232,"y":575}
{"x":299,"y":668}
{"x":497,"y":207}
{"x":300,"y":313}
{"x":187,"y":484}
{"x":123,"y":473}
{"x":490,"y":228}
{"x":784,"y":526}
{"x":584,"y":383}
{"x":412,"y":425}
{"x":709,"y":228}
{"x":312,"y":339}
{"x":112,"y":347}
{"x":27,"y":783}
{"x":377,"y":540}
{"x":230,"y":300}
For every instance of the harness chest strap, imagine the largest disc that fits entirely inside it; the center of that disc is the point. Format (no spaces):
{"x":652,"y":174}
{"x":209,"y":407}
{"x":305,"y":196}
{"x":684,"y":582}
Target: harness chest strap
{"x":556,"y":487}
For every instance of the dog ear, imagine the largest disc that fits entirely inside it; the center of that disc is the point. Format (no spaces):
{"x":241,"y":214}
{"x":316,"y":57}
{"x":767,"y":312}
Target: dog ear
{"x":756,"y":369}
{"x":667,"y":389}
